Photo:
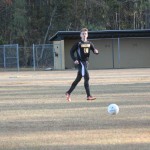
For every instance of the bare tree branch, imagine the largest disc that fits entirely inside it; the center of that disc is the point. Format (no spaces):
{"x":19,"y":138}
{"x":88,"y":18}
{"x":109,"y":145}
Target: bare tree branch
{"x":46,"y":35}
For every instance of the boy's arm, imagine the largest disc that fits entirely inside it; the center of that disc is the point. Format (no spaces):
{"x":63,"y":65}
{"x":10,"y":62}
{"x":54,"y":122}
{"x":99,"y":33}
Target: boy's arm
{"x":72,"y":51}
{"x":95,"y":51}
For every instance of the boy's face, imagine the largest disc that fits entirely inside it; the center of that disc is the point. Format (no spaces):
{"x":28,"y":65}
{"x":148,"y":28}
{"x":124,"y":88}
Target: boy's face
{"x":84,"y":35}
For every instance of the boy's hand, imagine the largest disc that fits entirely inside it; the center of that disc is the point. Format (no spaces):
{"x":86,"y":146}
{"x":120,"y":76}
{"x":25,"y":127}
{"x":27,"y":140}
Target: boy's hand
{"x":96,"y":51}
{"x":76,"y":62}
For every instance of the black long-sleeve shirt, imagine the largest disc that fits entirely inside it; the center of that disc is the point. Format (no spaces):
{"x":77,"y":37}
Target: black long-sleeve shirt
{"x":82,"y":50}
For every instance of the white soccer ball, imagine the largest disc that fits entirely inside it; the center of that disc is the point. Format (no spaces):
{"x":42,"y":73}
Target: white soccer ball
{"x":113,"y":109}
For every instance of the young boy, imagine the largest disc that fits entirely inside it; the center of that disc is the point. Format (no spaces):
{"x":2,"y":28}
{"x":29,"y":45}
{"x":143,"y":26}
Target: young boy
{"x":82,"y":50}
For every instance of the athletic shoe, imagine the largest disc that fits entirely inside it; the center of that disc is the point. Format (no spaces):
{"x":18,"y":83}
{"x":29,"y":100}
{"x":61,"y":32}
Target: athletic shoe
{"x":68,"y":97}
{"x":90,"y":98}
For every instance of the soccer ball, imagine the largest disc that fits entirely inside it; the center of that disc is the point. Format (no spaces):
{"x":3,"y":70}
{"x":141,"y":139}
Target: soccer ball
{"x":113,"y":109}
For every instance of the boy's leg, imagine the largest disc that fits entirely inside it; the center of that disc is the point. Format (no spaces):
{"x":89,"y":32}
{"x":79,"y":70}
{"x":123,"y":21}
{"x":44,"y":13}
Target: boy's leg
{"x":86,"y":85}
{"x":74,"y":84}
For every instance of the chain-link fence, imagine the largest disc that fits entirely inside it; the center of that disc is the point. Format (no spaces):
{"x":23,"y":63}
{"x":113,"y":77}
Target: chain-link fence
{"x":9,"y":57}
{"x":43,"y":56}
{"x":37,"y":57}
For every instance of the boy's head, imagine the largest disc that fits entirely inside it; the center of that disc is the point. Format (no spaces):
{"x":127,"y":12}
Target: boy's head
{"x":84,"y":29}
{"x":84,"y":34}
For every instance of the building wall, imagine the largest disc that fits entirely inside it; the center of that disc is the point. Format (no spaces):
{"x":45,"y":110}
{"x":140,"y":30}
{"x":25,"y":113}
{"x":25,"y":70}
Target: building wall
{"x":114,"y":53}
{"x":134,"y":53}
{"x":104,"y":59}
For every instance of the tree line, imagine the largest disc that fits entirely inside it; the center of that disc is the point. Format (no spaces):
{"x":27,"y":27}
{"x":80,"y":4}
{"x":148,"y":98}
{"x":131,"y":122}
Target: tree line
{"x":33,"y":21}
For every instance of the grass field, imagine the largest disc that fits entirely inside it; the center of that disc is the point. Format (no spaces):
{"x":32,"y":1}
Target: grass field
{"x":34,"y":113}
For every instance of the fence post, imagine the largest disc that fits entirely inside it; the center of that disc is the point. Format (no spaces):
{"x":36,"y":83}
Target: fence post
{"x":119,"y":52}
{"x":4,"y":56}
{"x":33,"y":57}
{"x":113,"y":52}
{"x":18,"y":57}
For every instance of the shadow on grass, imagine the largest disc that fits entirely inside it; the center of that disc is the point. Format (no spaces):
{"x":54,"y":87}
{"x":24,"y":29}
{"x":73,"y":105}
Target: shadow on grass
{"x":136,"y":146}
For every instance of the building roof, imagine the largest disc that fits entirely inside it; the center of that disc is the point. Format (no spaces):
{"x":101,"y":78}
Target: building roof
{"x":61,"y":35}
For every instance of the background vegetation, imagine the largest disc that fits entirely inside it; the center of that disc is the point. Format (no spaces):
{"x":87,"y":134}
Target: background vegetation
{"x":33,"y":21}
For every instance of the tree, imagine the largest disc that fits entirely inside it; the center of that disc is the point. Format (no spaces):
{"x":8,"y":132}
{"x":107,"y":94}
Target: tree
{"x":32,"y":21}
{"x":19,"y":23}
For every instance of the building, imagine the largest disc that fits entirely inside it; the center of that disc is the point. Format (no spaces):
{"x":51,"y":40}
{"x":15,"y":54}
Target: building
{"x":118,"y":49}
